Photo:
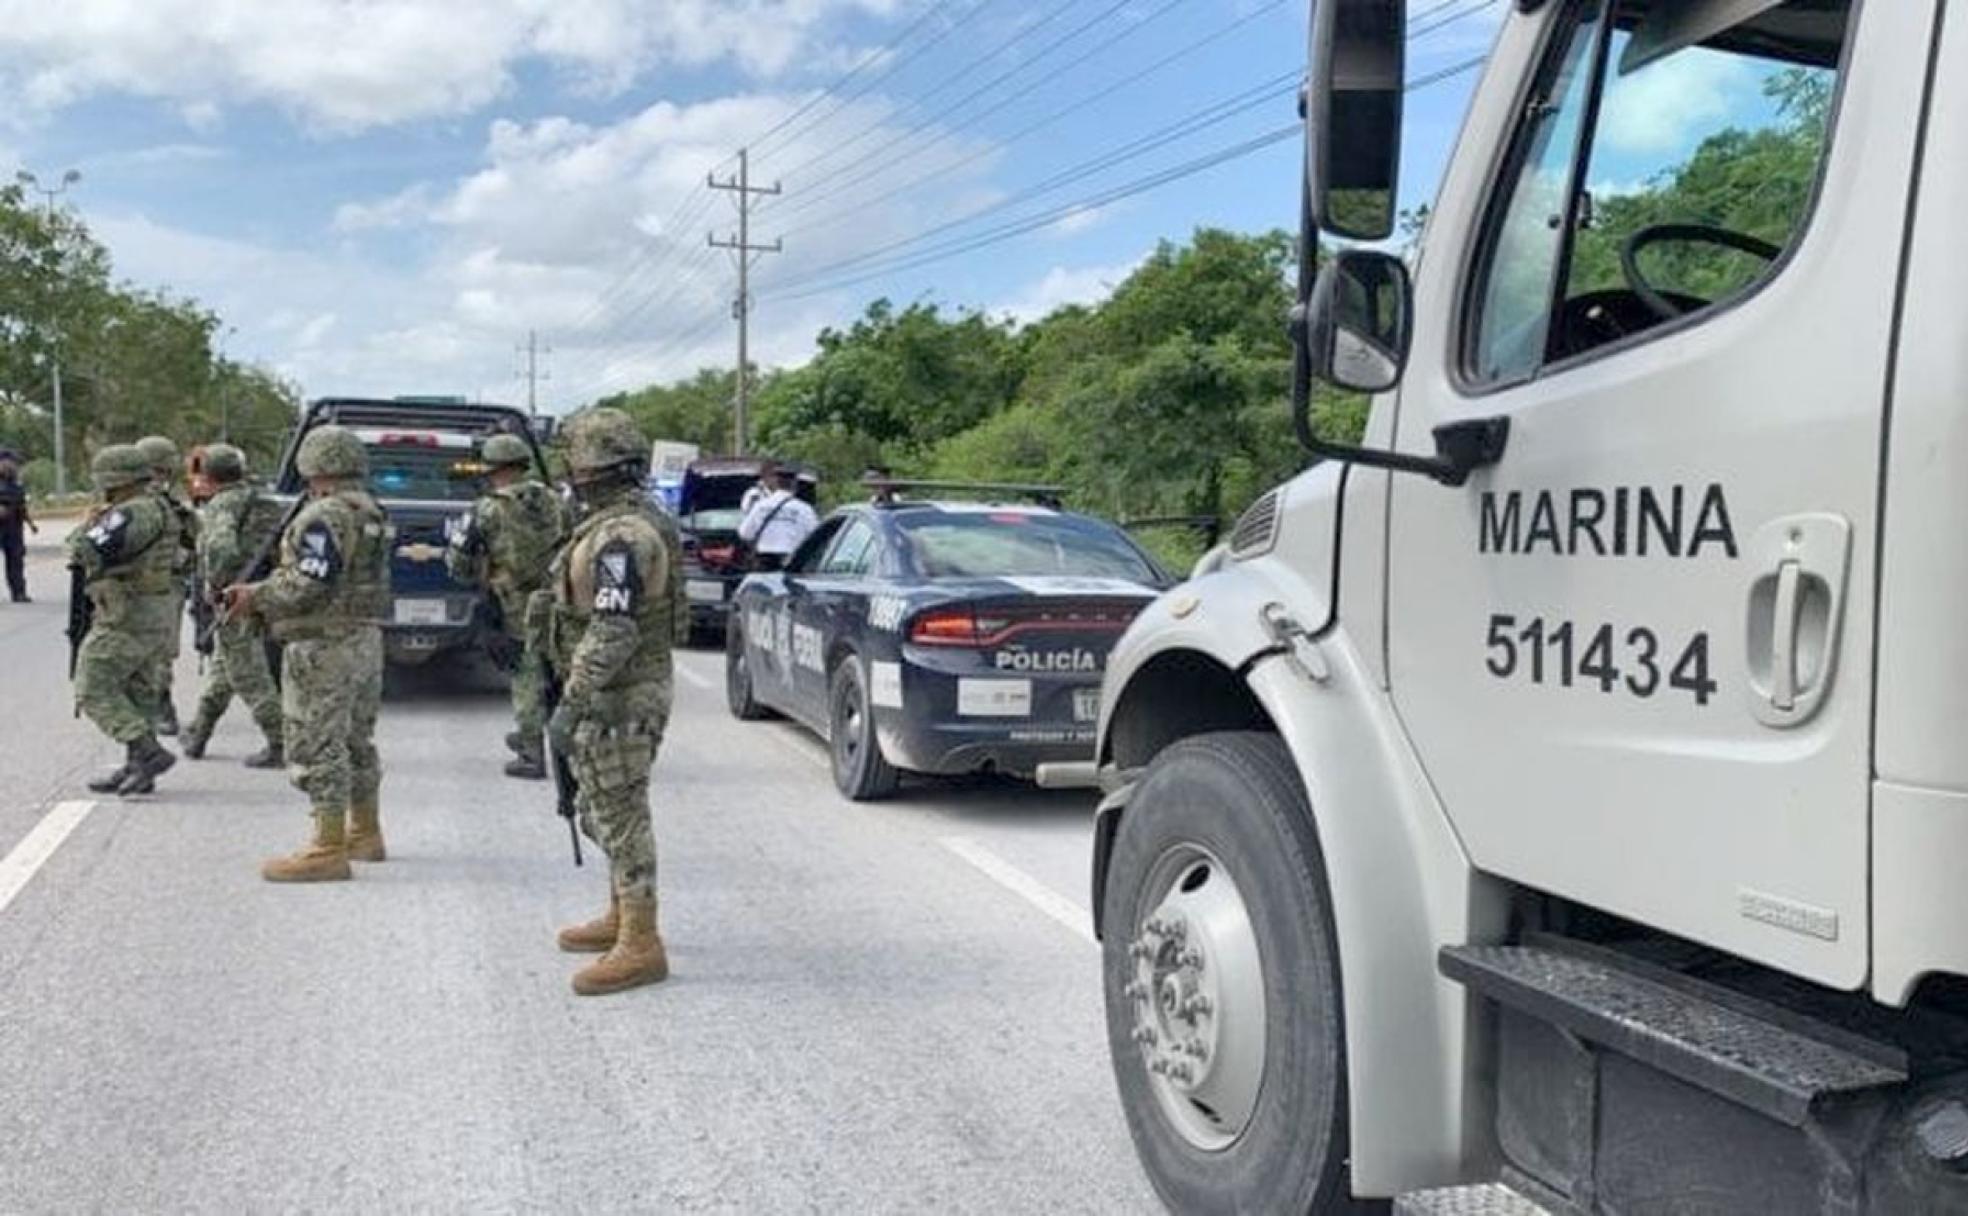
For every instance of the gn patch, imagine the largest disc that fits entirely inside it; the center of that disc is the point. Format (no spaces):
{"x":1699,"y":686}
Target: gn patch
{"x":618,"y":584}
{"x":317,"y":555}
{"x":109,"y":534}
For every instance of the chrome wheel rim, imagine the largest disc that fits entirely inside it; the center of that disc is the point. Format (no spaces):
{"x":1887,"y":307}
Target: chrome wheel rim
{"x":1195,"y":989}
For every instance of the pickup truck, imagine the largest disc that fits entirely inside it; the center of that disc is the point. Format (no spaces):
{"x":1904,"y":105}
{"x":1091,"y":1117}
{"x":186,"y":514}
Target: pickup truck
{"x":424,"y":470}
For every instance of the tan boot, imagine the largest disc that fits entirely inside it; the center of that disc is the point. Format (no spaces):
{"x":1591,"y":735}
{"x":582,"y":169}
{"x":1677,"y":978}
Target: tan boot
{"x":365,"y":836}
{"x":597,"y":935}
{"x":636,"y":958}
{"x":324,"y":860}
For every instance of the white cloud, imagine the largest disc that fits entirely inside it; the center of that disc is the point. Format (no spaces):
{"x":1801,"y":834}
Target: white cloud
{"x":1077,"y":221}
{"x":347,"y":65}
{"x":156,"y":156}
{"x":1060,"y":286}
{"x":592,"y":234}
{"x":1663,"y":108}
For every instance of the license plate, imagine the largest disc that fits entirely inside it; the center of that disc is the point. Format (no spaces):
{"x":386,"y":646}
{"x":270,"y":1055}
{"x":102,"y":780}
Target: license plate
{"x":1086,"y":704}
{"x":704,"y":591}
{"x":420,"y":612}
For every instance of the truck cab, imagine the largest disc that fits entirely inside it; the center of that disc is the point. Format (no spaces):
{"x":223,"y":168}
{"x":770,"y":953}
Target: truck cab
{"x":425,"y":473}
{"x":1552,"y":802}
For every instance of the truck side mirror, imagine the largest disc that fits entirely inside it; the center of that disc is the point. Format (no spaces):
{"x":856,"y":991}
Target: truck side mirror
{"x":1352,"y":111}
{"x":1359,"y":321}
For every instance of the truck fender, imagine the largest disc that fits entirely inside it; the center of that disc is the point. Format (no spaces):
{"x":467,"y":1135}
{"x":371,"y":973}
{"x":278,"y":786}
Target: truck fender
{"x":1401,"y":885}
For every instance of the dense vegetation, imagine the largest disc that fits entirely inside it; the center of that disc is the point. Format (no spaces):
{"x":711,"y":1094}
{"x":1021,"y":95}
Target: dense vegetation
{"x":1168,"y":398}
{"x":133,"y":362}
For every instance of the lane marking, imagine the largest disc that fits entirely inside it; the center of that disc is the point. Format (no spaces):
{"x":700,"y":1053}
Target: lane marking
{"x":34,"y":850}
{"x":1023,"y":885}
{"x":794,"y":741}
{"x":696,"y":679}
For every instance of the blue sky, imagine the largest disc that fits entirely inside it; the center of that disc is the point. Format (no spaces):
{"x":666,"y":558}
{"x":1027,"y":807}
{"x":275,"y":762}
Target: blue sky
{"x":385,"y":195}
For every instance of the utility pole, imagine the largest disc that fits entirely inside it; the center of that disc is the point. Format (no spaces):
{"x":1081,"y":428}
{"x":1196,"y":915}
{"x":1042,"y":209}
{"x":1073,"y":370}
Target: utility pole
{"x":54,"y":361}
{"x":531,"y":373}
{"x":741,"y":306}
{"x":225,"y":398}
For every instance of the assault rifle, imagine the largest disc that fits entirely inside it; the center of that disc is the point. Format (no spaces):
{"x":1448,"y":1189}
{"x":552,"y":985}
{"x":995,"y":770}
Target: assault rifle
{"x":566,"y":787}
{"x":81,"y":616}
{"x":255,"y":567}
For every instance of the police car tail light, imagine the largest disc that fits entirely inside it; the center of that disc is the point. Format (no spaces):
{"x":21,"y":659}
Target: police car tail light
{"x":958,"y":627}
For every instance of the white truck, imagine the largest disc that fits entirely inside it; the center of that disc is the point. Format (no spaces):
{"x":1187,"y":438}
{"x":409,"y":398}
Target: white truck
{"x":1559,"y":802}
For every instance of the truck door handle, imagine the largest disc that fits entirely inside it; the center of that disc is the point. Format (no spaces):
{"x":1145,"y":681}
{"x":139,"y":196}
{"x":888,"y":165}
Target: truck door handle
{"x":1796,"y":607}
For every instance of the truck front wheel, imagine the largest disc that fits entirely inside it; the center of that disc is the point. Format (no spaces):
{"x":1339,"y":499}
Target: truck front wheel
{"x":1224,"y":1018}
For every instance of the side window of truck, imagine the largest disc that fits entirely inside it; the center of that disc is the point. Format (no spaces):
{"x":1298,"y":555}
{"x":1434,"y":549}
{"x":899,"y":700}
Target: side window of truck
{"x":1666,"y":162}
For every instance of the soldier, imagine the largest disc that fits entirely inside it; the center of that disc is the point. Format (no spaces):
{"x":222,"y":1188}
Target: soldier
{"x":612,"y":604}
{"x":126,"y":549}
{"x":505,"y":546}
{"x":326,"y":602}
{"x":233,"y":525}
{"x":165,"y":465}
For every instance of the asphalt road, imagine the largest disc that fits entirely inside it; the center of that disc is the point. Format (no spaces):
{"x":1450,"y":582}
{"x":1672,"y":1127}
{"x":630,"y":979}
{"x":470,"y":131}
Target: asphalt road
{"x":889,"y":1008}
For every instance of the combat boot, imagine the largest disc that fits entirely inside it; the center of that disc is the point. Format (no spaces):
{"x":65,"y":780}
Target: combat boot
{"x":167,"y":720}
{"x":113,"y":780}
{"x":636,"y":958}
{"x":516,"y":743}
{"x":195,"y":738}
{"x":365,"y":834}
{"x":325,"y":859}
{"x":597,"y":935}
{"x":528,"y":762}
{"x":273,"y":755}
{"x":149,"y":760}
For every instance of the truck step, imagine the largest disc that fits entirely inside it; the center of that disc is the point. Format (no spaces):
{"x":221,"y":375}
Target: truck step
{"x":1771,"y":1062}
{"x":1483,"y":1199}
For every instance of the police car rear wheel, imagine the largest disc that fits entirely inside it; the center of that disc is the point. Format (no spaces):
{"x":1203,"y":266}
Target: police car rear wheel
{"x":1221,"y":976}
{"x":738,"y":695}
{"x":860,"y":770}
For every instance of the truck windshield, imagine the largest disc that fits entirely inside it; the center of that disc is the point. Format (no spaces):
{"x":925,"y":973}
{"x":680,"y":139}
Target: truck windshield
{"x":443,"y":474}
{"x":1015,"y":544}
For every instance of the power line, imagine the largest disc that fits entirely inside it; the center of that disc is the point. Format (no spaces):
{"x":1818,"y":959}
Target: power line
{"x":1276,"y":88}
{"x":844,"y":172}
{"x":1047,"y":120}
{"x":894,"y":65}
{"x":946,"y":83}
{"x":1115,"y":194}
{"x":1451,"y":19}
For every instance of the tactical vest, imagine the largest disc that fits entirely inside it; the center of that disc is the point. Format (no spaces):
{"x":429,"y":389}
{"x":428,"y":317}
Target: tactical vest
{"x":186,"y":549}
{"x":655,"y":617}
{"x":149,"y":573}
{"x":360,"y":594}
{"x":532,"y":525}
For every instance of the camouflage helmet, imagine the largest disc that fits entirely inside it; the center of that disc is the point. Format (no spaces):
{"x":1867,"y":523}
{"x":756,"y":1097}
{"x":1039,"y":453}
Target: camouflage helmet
{"x":332,"y":451}
{"x":119,"y":465}
{"x":223,"y":462}
{"x":161,"y":454}
{"x":503,"y":450}
{"x":602,"y":439}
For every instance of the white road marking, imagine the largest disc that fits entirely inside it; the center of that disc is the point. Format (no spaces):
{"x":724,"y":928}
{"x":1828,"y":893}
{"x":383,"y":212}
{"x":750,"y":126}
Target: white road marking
{"x":790,"y":738}
{"x":696,"y":679}
{"x":1026,"y":887}
{"x":38,"y":846}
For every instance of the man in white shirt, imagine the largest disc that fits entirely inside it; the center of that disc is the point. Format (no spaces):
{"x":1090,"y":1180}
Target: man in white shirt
{"x":778,"y":522}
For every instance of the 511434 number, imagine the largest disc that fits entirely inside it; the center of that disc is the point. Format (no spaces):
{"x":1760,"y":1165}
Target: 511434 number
{"x":1568,"y":654}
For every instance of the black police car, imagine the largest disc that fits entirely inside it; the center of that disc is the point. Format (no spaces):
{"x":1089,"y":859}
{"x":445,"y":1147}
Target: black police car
{"x":939,"y":636}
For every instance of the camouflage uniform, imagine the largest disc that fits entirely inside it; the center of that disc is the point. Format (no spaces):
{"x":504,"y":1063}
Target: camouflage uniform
{"x":615,"y":593}
{"x":325,"y":602}
{"x":233,"y":525}
{"x":165,"y":466}
{"x":126,"y":549}
{"x":505,"y":547}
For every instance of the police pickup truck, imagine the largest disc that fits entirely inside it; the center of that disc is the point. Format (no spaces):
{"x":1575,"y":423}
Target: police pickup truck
{"x":424,"y":470}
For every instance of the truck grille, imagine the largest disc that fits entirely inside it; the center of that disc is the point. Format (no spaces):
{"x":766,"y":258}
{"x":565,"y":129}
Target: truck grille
{"x":1257,"y":529}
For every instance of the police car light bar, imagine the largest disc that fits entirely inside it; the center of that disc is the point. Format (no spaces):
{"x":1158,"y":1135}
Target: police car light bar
{"x":885,"y":488}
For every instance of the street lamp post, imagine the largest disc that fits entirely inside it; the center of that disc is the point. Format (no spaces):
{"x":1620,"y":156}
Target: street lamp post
{"x":61,"y":455}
